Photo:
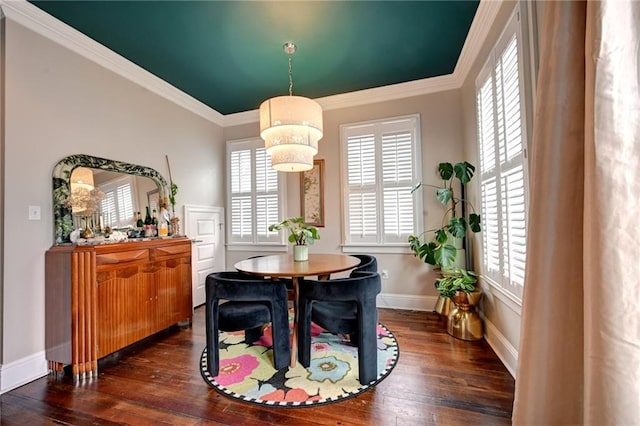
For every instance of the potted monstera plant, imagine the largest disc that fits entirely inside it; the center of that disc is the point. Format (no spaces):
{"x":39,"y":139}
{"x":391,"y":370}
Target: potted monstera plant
{"x":300,"y":234}
{"x":442,"y":246}
{"x":463,"y":321}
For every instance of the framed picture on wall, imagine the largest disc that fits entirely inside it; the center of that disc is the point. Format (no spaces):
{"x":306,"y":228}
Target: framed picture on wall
{"x":153,"y":198}
{"x":312,"y":194}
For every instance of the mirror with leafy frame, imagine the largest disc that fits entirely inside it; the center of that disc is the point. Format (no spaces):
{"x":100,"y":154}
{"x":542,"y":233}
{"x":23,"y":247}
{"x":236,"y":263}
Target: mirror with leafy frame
{"x":63,"y":219}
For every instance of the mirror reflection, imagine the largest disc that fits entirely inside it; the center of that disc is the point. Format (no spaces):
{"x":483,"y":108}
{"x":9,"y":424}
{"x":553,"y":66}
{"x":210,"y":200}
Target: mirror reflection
{"x":92,"y":193}
{"x":111,"y":199}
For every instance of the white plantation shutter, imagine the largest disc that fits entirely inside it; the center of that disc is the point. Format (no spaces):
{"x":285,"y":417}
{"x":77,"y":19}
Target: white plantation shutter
{"x":362,"y":208}
{"x":109,"y":209}
{"x":253,"y":193}
{"x":379,"y":171}
{"x":501,"y":136}
{"x":125,"y":203}
{"x":398,"y":179}
{"x":117,"y":204}
{"x":267,"y":208}
{"x":241,"y":196}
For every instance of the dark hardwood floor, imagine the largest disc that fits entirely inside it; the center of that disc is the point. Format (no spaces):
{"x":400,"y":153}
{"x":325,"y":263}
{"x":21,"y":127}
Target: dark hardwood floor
{"x":439,"y":380}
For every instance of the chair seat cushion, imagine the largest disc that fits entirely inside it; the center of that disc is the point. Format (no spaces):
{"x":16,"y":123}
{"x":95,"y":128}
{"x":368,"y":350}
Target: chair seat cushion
{"x":236,"y":316}
{"x":337,"y":317}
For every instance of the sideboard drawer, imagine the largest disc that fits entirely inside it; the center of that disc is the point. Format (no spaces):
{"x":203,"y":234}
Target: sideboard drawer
{"x":121,"y":257}
{"x":176,"y":250}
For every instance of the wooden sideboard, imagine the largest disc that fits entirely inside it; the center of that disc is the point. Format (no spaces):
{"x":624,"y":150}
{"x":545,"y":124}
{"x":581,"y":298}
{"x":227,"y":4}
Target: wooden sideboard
{"x":102,"y":298}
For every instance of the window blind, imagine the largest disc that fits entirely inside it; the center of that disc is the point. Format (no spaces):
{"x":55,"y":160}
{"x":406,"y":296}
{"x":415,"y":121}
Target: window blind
{"x":253,"y":192}
{"x":380,"y":172}
{"x":117,"y":203}
{"x":500,"y":112}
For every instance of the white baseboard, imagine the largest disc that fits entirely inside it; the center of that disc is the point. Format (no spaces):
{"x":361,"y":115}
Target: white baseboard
{"x":22,"y":371}
{"x":501,"y":346}
{"x":402,"y":301}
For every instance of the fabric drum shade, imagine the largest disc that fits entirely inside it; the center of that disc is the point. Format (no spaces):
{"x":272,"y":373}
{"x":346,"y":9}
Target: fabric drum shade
{"x":291,"y":127}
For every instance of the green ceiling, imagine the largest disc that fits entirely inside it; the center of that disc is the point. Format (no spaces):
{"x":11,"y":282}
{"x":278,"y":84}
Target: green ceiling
{"x":228,"y":54}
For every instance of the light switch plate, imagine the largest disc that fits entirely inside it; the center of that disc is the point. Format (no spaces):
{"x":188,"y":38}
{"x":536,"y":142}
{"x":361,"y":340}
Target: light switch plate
{"x":34,"y":212}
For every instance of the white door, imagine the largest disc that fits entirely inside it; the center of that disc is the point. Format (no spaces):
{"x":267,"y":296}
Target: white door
{"x":205,"y":227}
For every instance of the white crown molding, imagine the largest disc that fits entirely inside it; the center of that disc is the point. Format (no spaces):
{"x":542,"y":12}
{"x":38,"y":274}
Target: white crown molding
{"x":28,"y":15}
{"x":33,"y":18}
{"x":240,"y":118}
{"x":482,"y":23}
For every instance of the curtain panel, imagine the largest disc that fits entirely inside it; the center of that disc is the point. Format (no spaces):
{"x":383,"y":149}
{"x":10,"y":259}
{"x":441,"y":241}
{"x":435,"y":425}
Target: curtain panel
{"x":579,"y":356}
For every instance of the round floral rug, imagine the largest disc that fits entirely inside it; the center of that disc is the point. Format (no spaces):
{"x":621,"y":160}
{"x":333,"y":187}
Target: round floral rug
{"x":247,"y":373}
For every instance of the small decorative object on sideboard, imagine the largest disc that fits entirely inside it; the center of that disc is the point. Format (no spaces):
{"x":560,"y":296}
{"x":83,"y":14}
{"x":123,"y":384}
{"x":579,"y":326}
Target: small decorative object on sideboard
{"x":84,"y":202}
{"x":174,"y":228}
{"x":300,"y":234}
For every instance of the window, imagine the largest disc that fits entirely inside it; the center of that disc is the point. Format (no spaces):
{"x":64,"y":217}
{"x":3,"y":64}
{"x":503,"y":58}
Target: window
{"x":253,"y":194}
{"x":500,"y":103}
{"x":380,"y":167}
{"x":117,"y":204}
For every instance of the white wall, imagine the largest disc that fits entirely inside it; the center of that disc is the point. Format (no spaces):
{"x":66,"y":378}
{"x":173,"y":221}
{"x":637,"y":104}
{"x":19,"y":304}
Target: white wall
{"x":58,"y":103}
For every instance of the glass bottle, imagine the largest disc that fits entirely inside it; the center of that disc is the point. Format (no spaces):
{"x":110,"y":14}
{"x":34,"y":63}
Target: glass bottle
{"x":163,"y":226}
{"x":147,"y":217}
{"x":139,"y":222}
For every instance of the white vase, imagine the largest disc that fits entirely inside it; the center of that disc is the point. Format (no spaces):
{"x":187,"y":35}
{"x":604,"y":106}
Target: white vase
{"x":300,"y":253}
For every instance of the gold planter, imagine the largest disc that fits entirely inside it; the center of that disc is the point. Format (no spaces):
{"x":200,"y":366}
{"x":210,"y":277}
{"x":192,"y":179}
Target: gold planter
{"x":443,"y":306}
{"x":464,"y":322}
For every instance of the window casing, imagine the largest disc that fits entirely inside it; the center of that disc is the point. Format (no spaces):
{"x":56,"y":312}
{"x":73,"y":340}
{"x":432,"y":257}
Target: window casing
{"x":380,"y":166}
{"x":254,"y":197}
{"x":502,"y":140}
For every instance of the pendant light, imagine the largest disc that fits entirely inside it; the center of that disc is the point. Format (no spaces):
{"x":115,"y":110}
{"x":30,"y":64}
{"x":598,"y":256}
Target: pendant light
{"x":291,"y":127}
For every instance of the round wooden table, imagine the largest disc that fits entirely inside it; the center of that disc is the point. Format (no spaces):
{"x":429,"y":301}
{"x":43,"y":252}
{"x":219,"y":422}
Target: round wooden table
{"x":283,"y":266}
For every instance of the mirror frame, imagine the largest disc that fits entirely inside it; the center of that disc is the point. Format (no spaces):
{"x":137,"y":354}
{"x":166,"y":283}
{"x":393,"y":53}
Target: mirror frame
{"x":63,"y":221}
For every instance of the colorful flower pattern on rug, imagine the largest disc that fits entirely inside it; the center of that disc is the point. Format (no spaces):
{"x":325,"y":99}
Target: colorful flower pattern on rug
{"x":246,"y":370}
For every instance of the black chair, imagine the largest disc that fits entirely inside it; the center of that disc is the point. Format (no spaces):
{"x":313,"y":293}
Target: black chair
{"x":367,"y":263}
{"x":252,"y":303}
{"x":342,"y":306}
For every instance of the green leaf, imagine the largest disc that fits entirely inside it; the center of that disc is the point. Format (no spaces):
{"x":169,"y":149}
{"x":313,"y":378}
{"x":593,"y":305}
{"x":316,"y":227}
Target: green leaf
{"x":464,"y":171}
{"x":414,"y":244}
{"x":444,"y":195}
{"x":457,"y":227}
{"x":474,"y":222}
{"x":430,"y":254}
{"x":445,"y":170}
{"x":445,"y":255}
{"x":441,"y":236}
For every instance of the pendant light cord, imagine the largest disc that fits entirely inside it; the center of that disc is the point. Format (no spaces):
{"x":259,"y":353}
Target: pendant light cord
{"x":290,"y":78}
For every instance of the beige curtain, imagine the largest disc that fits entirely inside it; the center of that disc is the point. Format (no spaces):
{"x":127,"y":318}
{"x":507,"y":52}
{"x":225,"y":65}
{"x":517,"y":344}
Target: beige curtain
{"x":579,"y":355}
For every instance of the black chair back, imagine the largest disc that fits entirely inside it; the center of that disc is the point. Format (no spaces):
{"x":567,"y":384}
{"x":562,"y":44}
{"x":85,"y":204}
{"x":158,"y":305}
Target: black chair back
{"x":251,"y":302}
{"x":368,"y":263}
{"x":346,"y":306}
